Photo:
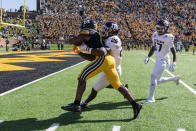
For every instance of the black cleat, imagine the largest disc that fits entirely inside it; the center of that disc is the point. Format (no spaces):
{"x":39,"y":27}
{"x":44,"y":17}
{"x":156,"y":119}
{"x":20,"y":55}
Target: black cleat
{"x":136,"y":109}
{"x":84,"y":105}
{"x":126,"y":85}
{"x":72,"y":107}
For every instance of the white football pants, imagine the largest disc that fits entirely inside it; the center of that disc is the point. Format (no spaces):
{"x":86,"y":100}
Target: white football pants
{"x":103,"y":82}
{"x":156,"y":78}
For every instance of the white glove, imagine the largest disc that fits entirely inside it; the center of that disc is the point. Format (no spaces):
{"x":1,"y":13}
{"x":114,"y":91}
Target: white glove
{"x":146,"y":60}
{"x":172,"y":67}
{"x":84,"y":47}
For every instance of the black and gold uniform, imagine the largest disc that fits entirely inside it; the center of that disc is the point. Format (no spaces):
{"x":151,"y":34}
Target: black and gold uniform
{"x":101,"y":63}
{"x":89,"y":40}
{"x":194,"y":43}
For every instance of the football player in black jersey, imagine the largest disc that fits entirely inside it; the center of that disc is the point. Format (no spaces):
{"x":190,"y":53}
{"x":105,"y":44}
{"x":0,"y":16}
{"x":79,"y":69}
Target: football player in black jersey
{"x":90,"y":41}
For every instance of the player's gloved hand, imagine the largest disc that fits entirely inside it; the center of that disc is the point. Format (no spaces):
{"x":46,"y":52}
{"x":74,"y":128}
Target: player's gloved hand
{"x":146,"y":60}
{"x":84,"y":47}
{"x":76,"y":49}
{"x":172,"y":67}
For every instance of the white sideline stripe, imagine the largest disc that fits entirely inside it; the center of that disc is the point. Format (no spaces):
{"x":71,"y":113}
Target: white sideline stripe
{"x":116,"y":128}
{"x":181,"y":129}
{"x":7,"y":92}
{"x":1,"y":121}
{"x":183,"y":83}
{"x":53,"y":127}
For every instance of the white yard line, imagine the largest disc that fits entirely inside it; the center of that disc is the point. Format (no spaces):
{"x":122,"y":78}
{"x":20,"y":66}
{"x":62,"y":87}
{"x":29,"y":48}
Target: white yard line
{"x":182,"y":82}
{"x":1,"y":121}
{"x":53,"y":127}
{"x":181,"y":129}
{"x":7,"y":92}
{"x":116,"y":128}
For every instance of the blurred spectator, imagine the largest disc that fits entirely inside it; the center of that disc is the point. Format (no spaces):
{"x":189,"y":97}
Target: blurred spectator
{"x":7,"y":42}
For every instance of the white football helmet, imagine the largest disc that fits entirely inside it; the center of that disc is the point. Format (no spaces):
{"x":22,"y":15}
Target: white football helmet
{"x":162,"y":27}
{"x":109,"y":29}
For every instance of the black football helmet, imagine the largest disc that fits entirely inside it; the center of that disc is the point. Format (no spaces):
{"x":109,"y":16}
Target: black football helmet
{"x":89,"y":24}
{"x":162,"y":27}
{"x":109,"y":29}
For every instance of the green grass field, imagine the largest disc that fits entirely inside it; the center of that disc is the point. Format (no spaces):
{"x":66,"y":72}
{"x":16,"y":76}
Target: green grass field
{"x":37,"y":106}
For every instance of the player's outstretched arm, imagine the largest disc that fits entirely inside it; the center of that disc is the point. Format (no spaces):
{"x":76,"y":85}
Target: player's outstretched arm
{"x":173,"y":66}
{"x":97,"y":51}
{"x":101,"y":51}
{"x":173,"y":51}
{"x":151,"y":52}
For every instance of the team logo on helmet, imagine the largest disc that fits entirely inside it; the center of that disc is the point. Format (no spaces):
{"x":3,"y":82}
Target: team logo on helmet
{"x":109,"y":29}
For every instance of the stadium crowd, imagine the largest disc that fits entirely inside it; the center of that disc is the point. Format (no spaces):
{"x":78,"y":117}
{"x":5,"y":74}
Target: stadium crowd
{"x":136,"y":18}
{"x":19,"y":38}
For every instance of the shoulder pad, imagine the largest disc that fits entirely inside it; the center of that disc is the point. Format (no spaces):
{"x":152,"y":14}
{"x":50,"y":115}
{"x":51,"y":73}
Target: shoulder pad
{"x":169,"y":35}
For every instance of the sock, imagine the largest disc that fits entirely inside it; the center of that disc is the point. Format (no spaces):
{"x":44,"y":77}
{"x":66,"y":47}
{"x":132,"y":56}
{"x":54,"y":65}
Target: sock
{"x":77,"y":102}
{"x":133,"y":103}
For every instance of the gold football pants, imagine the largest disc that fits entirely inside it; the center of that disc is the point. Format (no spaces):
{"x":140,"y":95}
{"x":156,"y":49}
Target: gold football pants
{"x":105,"y":64}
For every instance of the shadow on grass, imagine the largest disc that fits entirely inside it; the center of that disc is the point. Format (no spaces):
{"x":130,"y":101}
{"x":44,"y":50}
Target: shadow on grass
{"x":118,"y":105}
{"x":67,"y":118}
{"x":194,"y":84}
{"x":64,"y":119}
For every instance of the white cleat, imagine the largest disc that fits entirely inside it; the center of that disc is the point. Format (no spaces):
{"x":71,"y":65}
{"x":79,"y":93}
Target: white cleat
{"x":149,"y":101}
{"x":177,"y":80}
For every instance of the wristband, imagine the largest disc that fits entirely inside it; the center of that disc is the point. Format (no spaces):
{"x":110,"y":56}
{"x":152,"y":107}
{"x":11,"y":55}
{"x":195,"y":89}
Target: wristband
{"x":104,"y":50}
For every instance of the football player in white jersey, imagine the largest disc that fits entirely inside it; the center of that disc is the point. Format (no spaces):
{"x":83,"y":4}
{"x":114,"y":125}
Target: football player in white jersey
{"x":163,"y":43}
{"x":109,"y":32}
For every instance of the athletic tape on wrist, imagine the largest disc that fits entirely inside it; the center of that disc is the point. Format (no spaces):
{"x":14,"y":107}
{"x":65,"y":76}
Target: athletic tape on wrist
{"x":104,"y":50}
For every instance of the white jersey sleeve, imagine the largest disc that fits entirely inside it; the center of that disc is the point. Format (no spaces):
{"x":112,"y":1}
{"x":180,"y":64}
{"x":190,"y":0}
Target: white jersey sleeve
{"x":115,"y":44}
{"x":171,"y":40}
{"x":154,"y":36}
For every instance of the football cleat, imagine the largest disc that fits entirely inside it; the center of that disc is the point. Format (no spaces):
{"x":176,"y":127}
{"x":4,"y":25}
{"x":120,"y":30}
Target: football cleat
{"x":136,"y":110}
{"x":149,"y":101}
{"x":84,"y":105}
{"x":73,"y":107}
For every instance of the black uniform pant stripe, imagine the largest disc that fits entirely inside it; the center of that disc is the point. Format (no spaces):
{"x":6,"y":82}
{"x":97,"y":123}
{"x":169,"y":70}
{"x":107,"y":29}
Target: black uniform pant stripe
{"x":92,"y":67}
{"x":89,"y":67}
{"x":97,"y":66}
